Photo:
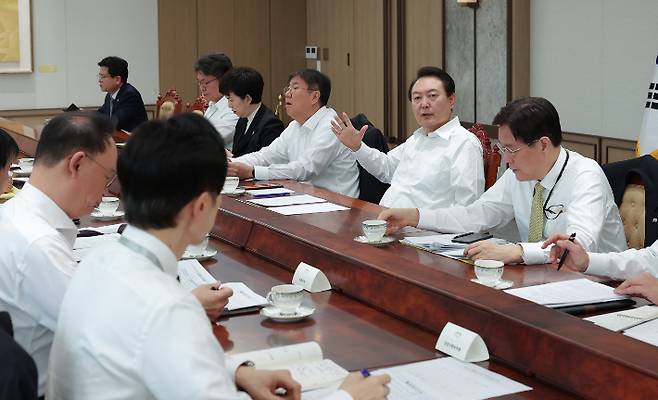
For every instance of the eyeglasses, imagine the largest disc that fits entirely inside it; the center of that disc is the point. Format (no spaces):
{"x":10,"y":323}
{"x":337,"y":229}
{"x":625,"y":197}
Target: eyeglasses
{"x":206,"y":83}
{"x":293,"y":88}
{"x":554,"y":211}
{"x":506,"y":150}
{"x":112,"y":174}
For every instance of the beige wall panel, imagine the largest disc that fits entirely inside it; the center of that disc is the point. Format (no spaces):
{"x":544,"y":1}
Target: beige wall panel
{"x":216,"y":26}
{"x":177,"y":33}
{"x":520,"y":51}
{"x":617,"y":150}
{"x":586,"y":145}
{"x":423,"y":42}
{"x":287,"y":41}
{"x":368,"y":60}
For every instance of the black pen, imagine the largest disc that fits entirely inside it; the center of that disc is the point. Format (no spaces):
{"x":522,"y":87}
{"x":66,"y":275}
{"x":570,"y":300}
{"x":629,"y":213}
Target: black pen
{"x":566,"y":252}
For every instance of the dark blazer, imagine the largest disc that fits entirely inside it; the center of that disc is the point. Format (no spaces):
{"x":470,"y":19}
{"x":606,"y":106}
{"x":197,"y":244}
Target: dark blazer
{"x":18,"y":372}
{"x":128,"y":110}
{"x":370,"y":188}
{"x":619,"y":175}
{"x":262,"y":131}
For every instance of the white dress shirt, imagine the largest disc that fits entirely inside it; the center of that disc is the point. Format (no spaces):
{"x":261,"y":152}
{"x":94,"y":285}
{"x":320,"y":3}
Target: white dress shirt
{"x":582,"y":192}
{"x":309,"y":153}
{"x":223,"y":119}
{"x":438,"y":169}
{"x":626,"y":264}
{"x":36,"y":265}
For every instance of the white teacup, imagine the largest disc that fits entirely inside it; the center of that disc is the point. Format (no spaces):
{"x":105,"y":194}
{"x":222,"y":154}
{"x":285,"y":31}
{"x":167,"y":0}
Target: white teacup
{"x":108,"y":205}
{"x":287,"y":298}
{"x":26,"y":164}
{"x":489,"y":271}
{"x":231,"y":184}
{"x":374,"y":229}
{"x":198,"y":249}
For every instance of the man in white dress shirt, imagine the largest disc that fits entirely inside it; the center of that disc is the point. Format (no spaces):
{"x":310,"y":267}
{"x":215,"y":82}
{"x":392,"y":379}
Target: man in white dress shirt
{"x":307,"y":150}
{"x":439,"y":165}
{"x":546,"y":190}
{"x":127,"y":328}
{"x":75,"y":160}
{"x":209,"y":70}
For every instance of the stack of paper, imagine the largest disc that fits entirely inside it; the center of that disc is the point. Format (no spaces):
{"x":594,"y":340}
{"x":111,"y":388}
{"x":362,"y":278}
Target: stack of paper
{"x":567,"y":293}
{"x":114,"y":228}
{"x":440,"y":244}
{"x":192,"y":274}
{"x":622,"y":320}
{"x":308,"y":208}
{"x":647,"y":333}
{"x":270,"y":192}
{"x":287,"y":200}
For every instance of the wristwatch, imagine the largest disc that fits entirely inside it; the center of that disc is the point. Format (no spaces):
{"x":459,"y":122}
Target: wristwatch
{"x":248,"y":363}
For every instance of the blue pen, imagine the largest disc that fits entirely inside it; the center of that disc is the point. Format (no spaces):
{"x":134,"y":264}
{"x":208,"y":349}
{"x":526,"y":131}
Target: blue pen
{"x":262,"y":196}
{"x":365,"y":373}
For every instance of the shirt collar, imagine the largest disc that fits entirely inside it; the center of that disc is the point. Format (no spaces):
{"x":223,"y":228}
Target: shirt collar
{"x":313,"y":121}
{"x":51,"y":212}
{"x":550,"y":178}
{"x":154,"y":245}
{"x":444,"y":130}
{"x":251,"y":116}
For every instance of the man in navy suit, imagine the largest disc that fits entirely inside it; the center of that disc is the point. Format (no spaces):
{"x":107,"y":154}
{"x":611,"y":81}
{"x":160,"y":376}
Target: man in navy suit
{"x":257,"y":126}
{"x":123,"y":103}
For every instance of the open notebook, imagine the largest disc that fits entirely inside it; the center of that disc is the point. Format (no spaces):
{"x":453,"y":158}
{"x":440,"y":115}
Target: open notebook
{"x":303,"y":360}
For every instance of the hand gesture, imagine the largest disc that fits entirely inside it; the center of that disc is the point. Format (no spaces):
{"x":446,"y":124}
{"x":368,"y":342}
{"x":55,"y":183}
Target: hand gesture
{"x":212,"y":299}
{"x":578,"y":260}
{"x":398,"y":218}
{"x":342,"y":127}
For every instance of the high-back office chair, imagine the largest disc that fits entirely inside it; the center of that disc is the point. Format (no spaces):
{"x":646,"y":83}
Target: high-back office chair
{"x":18,"y":372}
{"x":168,"y":105}
{"x":634,"y":184}
{"x":199,"y":105}
{"x":370,"y":188}
{"x":491,"y":155}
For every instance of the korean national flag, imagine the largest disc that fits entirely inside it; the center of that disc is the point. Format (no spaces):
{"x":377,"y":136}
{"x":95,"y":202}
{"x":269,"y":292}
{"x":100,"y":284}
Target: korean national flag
{"x":649,"y":132}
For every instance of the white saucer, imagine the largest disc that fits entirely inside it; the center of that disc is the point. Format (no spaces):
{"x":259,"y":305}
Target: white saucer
{"x":107,"y":217}
{"x":501,"y":284}
{"x":209,"y":253}
{"x":385,"y":240}
{"x":274,"y":314}
{"x":236,"y":192}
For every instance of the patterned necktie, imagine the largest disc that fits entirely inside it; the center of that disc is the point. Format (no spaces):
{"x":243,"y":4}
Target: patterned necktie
{"x":536,"y":227}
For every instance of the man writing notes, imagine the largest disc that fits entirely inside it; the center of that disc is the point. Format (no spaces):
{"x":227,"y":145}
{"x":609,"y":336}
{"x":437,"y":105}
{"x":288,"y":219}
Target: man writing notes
{"x":440,"y":165}
{"x":127,"y":328}
{"x":210,"y":70}
{"x":547,"y":189}
{"x":123,"y":103}
{"x":307,"y":150}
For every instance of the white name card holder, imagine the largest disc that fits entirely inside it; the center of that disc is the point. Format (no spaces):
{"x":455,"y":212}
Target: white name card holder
{"x":462,"y":344}
{"x":310,"y":278}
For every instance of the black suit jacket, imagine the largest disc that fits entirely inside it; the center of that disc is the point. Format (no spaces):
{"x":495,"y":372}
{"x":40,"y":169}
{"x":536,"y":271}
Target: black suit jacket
{"x":128,"y":110}
{"x":619,"y":175}
{"x":18,"y":372}
{"x":262,"y":131}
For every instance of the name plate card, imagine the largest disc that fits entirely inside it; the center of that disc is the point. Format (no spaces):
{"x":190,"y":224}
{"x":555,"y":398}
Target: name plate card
{"x":462,"y":344}
{"x":310,"y":278}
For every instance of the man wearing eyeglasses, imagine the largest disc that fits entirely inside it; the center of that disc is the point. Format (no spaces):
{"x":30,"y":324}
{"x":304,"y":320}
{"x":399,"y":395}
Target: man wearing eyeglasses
{"x":123,"y":103}
{"x":75,"y":161}
{"x":307,"y":149}
{"x":546,"y":190}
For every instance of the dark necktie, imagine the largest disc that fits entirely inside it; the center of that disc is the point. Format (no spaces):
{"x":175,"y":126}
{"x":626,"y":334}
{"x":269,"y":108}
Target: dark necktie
{"x":240,"y":129}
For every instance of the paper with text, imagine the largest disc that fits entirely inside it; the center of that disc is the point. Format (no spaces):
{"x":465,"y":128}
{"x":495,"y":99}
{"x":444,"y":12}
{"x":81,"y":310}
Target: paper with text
{"x":287,"y":200}
{"x":567,"y":293}
{"x":647,"y":332}
{"x":620,"y":320}
{"x":308,"y":208}
{"x":270,"y":192}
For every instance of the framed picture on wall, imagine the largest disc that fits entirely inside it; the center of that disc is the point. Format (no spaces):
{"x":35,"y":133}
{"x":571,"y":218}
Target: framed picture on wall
{"x":15,"y":36}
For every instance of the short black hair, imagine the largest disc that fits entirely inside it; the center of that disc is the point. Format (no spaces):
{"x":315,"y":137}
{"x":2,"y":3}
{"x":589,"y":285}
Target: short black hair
{"x":167,"y":163}
{"x":8,"y":148}
{"x":315,"y":80}
{"x":243,"y":81}
{"x":116,"y":66}
{"x":438,"y":73}
{"x":87,"y":131}
{"x":530,"y":118}
{"x":216,"y":65}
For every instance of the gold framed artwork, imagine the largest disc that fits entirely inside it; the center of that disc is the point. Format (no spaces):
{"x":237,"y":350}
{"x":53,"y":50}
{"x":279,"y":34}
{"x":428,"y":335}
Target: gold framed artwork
{"x":15,"y":36}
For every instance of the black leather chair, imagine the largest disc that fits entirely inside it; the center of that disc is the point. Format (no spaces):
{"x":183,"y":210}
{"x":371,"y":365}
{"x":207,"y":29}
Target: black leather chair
{"x":371,"y":189}
{"x":18,"y":373}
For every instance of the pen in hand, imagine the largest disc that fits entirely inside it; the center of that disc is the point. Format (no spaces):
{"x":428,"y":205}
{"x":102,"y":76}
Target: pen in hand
{"x":365,"y":373}
{"x":566,"y":252}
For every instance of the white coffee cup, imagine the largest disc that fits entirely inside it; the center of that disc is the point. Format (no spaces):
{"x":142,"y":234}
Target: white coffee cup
{"x":374,"y":229}
{"x":108,"y":205}
{"x":198,"y":249}
{"x":231,"y":184}
{"x":287,"y":298}
{"x":26,"y":164}
{"x":489,"y":271}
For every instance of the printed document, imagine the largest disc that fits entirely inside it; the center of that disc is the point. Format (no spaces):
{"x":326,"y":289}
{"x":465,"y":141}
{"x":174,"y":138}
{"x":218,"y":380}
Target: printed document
{"x":567,"y":293}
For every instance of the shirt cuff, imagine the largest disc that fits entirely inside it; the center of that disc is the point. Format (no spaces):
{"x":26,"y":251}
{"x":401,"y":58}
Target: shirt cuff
{"x":261,"y":173}
{"x":598,"y":264}
{"x":425,"y":219}
{"x":362,"y":152}
{"x":232,"y":365}
{"x":534,"y":254}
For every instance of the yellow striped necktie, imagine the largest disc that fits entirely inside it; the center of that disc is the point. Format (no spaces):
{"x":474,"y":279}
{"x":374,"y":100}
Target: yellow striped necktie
{"x":536,"y":227}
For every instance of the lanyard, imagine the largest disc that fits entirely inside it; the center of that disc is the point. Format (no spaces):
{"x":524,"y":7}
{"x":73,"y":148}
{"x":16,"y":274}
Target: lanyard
{"x":557,"y":179}
{"x":139,"y":249}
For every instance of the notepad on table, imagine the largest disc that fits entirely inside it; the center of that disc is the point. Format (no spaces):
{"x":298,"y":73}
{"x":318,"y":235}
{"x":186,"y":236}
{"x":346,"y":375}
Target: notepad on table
{"x":270,"y":192}
{"x":304,"y":361}
{"x":622,"y":320}
{"x":567,"y":293}
{"x":287,"y":200}
{"x":192,"y":274}
{"x":308,"y":208}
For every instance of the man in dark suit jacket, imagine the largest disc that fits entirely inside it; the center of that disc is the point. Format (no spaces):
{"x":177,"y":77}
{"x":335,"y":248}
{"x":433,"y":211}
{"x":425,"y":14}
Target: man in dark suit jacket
{"x":257,"y":126}
{"x":123,"y":103}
